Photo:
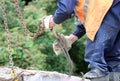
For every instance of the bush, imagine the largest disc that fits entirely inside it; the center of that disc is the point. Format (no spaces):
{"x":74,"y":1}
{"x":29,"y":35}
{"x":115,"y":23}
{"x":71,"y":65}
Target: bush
{"x":37,"y":54}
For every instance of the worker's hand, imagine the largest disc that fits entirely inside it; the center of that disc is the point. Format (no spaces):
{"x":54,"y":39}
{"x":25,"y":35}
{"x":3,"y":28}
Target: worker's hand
{"x":48,"y":22}
{"x":66,"y":40}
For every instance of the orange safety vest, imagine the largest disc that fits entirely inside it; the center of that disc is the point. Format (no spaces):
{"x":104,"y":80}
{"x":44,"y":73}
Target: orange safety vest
{"x":96,"y":11}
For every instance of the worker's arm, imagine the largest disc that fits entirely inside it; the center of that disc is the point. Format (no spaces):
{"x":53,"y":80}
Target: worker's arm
{"x":64,"y":11}
{"x":79,"y":31}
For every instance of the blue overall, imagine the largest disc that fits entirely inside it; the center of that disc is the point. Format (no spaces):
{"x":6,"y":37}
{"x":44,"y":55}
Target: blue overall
{"x":104,"y":52}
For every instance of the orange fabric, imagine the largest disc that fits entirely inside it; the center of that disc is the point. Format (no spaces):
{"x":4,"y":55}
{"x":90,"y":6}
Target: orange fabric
{"x":80,"y":10}
{"x":95,"y":14}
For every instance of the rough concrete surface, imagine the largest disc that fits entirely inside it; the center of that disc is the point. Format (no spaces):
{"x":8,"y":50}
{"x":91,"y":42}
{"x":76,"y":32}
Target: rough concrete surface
{"x":35,"y":75}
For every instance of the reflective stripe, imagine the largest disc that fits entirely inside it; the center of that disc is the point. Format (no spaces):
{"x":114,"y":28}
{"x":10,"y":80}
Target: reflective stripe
{"x":85,"y":10}
{"x":81,"y":10}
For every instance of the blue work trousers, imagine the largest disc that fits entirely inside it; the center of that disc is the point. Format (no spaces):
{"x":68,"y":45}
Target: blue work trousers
{"x":104,"y":52}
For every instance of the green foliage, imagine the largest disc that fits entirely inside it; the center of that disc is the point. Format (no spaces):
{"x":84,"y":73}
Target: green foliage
{"x":11,"y":13}
{"x":77,"y":55}
{"x":50,"y":6}
{"x":37,"y":54}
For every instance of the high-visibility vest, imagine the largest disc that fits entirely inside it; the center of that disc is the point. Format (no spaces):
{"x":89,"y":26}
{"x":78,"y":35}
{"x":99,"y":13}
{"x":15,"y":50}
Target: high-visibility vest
{"x":96,"y":11}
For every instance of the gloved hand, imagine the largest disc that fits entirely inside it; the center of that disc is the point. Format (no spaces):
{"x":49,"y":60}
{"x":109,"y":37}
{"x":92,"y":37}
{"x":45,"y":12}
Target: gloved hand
{"x":48,"y":22}
{"x":66,"y":41}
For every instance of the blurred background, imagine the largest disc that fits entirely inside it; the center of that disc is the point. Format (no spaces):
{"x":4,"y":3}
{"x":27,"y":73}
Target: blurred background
{"x":38,"y":54}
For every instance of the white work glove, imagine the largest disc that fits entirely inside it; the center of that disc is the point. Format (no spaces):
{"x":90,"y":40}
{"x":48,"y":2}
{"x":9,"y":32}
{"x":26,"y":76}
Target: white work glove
{"x":48,"y":22}
{"x":66,"y":41}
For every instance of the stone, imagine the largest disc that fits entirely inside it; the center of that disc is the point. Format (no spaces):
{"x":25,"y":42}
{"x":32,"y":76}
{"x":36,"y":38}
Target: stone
{"x":35,"y":75}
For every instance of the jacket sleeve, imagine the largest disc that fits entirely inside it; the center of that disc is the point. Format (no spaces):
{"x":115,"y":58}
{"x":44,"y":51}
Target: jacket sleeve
{"x":79,"y":31}
{"x":64,"y":11}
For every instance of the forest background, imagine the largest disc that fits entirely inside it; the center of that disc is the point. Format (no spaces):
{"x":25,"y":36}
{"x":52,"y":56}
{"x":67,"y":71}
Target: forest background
{"x":38,"y":54}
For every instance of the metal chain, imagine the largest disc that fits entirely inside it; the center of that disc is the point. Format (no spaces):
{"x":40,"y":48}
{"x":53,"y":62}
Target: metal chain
{"x":65,"y":50}
{"x":38,"y":33}
{"x":13,"y":73}
{"x":8,"y":35}
{"x":26,"y":31}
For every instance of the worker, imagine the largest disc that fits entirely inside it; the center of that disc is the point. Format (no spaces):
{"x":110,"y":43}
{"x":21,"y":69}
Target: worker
{"x":100,"y":21}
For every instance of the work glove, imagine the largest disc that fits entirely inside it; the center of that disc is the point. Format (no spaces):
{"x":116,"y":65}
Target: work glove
{"x":48,"y":22}
{"x":66,"y":42}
